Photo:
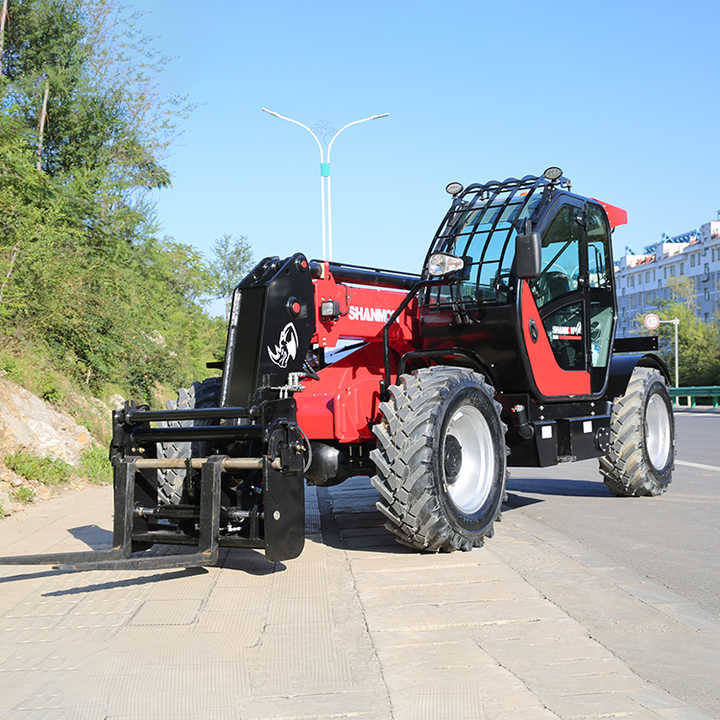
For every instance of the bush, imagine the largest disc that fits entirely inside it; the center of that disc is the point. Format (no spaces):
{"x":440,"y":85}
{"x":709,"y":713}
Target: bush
{"x":2,"y":512}
{"x":24,"y":494}
{"x":95,"y":466}
{"x":37,"y":469}
{"x":49,"y":390}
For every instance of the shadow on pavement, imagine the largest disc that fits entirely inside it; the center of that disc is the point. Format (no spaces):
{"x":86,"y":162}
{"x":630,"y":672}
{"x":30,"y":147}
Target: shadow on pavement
{"x":93,"y":536}
{"x":559,"y":486}
{"x":350,"y":522}
{"x":130,"y":582}
{"x":253,"y":562}
{"x":31,"y":576}
{"x":356,"y":528}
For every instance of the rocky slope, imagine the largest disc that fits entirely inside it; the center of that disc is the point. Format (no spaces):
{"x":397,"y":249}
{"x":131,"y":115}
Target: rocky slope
{"x":29,"y":424}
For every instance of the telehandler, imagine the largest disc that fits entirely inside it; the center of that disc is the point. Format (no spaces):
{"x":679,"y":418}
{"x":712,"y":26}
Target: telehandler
{"x":502,"y":351}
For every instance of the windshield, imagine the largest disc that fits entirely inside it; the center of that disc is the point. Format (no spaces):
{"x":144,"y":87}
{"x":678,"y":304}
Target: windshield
{"x":481,"y":229}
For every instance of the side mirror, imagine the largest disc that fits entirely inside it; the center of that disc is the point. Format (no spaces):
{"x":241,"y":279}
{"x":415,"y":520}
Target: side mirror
{"x":441,"y":264}
{"x":527,"y":255}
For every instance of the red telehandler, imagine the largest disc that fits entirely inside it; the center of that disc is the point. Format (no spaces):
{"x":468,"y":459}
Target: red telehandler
{"x":501,"y":352}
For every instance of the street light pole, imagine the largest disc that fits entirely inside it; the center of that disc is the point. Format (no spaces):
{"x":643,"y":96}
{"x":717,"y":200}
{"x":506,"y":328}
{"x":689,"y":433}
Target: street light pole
{"x":329,"y":195}
{"x":676,"y":323}
{"x":326,"y":209}
{"x":322,"y":170}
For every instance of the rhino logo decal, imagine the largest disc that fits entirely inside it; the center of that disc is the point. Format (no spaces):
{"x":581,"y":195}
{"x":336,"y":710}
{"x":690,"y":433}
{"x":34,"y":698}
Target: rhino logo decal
{"x":286,"y":347}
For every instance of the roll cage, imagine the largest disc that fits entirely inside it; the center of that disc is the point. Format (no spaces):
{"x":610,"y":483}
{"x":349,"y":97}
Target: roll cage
{"x":480,"y":227}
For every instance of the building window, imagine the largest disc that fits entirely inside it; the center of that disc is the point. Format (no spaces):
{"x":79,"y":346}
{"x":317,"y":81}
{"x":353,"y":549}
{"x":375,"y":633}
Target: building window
{"x":707,"y":269}
{"x":707,"y":294}
{"x":692,"y":260}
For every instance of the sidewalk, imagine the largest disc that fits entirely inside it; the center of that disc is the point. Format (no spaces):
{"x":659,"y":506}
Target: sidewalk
{"x":528,"y":627}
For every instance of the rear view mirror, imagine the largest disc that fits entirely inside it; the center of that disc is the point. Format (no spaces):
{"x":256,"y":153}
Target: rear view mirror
{"x":527,"y":255}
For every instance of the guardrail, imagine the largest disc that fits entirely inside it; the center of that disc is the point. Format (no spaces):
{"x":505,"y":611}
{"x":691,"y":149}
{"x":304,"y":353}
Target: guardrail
{"x":692,"y":393}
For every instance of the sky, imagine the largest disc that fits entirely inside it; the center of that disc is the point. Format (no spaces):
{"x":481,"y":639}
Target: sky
{"x":623,"y":96}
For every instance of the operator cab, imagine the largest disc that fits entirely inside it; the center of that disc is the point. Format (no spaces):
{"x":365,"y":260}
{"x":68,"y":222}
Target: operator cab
{"x":562,"y":319}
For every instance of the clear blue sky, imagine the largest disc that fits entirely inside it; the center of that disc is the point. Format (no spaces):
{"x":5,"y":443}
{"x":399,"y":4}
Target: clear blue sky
{"x":622,"y":95}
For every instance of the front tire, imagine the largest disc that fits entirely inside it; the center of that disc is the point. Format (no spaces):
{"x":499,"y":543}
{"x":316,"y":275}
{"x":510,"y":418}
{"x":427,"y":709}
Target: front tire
{"x":440,"y":459}
{"x":642,"y":438}
{"x":171,"y":483}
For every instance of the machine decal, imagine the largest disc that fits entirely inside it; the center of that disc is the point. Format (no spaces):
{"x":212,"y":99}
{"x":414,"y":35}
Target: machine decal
{"x":286,"y":347}
{"x":367,"y":314}
{"x":567,"y":332}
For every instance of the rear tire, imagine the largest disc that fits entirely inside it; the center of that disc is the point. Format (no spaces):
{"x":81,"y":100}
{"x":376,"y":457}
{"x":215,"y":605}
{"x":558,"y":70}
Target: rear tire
{"x":642,"y":438}
{"x":440,"y":459}
{"x":171,"y":483}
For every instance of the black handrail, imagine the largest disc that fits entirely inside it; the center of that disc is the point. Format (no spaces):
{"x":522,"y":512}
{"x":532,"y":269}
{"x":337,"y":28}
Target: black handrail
{"x":386,"y":328}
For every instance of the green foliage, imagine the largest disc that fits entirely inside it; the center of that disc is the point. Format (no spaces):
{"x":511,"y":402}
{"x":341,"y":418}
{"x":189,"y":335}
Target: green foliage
{"x":24,"y":494}
{"x":2,"y":512}
{"x":39,"y":469}
{"x":699,"y":342}
{"x":83,"y":275}
{"x":231,"y":260}
{"x":95,"y":465}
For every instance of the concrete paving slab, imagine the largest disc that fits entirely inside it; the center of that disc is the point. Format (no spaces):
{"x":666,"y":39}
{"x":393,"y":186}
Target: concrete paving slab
{"x":355,"y":627}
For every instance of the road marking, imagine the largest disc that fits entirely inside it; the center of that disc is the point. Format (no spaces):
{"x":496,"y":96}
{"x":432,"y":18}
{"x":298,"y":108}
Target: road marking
{"x":699,"y":466}
{"x":696,"y":414}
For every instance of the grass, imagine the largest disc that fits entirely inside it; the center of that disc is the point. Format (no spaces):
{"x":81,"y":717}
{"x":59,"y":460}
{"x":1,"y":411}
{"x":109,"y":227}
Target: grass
{"x":43,"y":470}
{"x":24,"y":494}
{"x":95,"y":466}
{"x":2,"y":512}
{"x":34,"y":372}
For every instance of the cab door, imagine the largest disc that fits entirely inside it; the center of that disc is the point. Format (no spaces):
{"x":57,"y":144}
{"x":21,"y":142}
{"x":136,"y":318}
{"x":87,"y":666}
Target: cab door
{"x":567,"y":312}
{"x":602,"y":316}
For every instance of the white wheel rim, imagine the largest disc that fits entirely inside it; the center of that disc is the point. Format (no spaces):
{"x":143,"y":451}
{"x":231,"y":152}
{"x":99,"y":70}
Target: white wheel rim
{"x":657,"y":431}
{"x":468,"y":478}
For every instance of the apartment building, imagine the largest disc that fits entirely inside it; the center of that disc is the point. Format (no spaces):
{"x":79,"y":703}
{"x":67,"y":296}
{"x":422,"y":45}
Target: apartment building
{"x":641,"y":278}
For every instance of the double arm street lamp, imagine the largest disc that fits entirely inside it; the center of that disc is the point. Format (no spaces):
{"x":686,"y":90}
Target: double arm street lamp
{"x":325,"y":199}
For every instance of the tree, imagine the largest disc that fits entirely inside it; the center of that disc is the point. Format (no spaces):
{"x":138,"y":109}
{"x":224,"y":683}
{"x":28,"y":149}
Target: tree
{"x":699,"y":342}
{"x":84,"y":277}
{"x":230,"y":261}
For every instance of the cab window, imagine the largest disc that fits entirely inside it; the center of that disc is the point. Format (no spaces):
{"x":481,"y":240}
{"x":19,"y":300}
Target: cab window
{"x":560,"y":260}
{"x":598,"y":239}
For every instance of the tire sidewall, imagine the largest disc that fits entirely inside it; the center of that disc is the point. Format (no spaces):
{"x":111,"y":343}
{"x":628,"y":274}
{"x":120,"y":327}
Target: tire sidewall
{"x":656,"y":386}
{"x":469,"y":393}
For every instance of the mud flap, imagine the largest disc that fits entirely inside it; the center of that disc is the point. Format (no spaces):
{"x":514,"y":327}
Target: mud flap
{"x":284,"y":503}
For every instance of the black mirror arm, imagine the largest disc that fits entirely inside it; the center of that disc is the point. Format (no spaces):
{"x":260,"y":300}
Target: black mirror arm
{"x":385,"y":384}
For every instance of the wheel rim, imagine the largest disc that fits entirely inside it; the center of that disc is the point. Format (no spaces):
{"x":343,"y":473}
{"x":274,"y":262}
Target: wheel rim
{"x":468,"y":459}
{"x":657,"y":431}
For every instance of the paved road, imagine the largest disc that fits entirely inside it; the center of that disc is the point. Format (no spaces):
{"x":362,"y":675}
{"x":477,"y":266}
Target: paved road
{"x":673,"y":539}
{"x":540,"y":624}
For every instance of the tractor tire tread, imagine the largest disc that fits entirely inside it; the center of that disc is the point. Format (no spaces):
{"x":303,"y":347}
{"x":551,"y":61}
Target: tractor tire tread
{"x":625,"y":469}
{"x":403,"y":459}
{"x":170,"y":483}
